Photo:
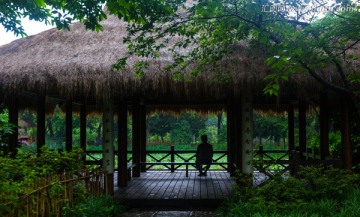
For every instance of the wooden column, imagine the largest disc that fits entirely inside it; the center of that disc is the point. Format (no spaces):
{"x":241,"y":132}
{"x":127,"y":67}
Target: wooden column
{"x":302,"y":128}
{"x":346,"y":135}
{"x":136,"y":134}
{"x":69,"y":126}
{"x":83,"y":129}
{"x":247,"y":131}
{"x":122,"y":144}
{"x":108,"y":161}
{"x":41,"y":130}
{"x":230,"y":138}
{"x":14,"y":120}
{"x":291,"y":128}
{"x":143,"y":136}
{"x":237,"y":149}
{"x":324,"y":127}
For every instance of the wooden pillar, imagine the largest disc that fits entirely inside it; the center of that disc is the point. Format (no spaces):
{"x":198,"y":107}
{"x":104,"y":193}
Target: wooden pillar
{"x":108,"y":161}
{"x":136,"y":134}
{"x":69,"y":126}
{"x":238,"y":143}
{"x":324,"y":127}
{"x":143,"y":136}
{"x":291,"y":128}
{"x":247,"y":131}
{"x":13,"y":119}
{"x":346,"y":135}
{"x":302,"y":128}
{"x":233,"y":136}
{"x":122,"y":144}
{"x":41,"y":130}
{"x":83,"y":129}
{"x":230,"y":138}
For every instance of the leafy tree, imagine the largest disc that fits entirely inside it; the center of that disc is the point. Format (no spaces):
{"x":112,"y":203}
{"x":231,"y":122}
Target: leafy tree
{"x":180,"y":132}
{"x":160,"y":124}
{"x":5,"y":130}
{"x":270,"y":126}
{"x":195,"y":121}
{"x":294,"y":40}
{"x":57,"y":12}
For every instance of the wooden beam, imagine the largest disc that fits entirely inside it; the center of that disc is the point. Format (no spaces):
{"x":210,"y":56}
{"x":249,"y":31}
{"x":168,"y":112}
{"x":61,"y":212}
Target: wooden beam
{"x":69,"y":126}
{"x":302,"y":128}
{"x":122,"y":145}
{"x":14,"y":120}
{"x":83,"y":128}
{"x":346,"y":135}
{"x":291,"y":128}
{"x":136,"y":134}
{"x":41,"y":130}
{"x":324,"y":127}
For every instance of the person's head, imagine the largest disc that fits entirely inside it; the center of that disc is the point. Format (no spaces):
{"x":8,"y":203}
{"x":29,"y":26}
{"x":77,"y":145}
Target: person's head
{"x":204,"y":138}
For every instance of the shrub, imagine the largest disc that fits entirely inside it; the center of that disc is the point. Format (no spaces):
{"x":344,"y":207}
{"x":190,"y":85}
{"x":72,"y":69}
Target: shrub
{"x":314,"y":192}
{"x":103,"y":206}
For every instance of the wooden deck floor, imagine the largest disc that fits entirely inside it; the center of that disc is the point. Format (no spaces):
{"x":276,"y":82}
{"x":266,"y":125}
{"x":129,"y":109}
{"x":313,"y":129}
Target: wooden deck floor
{"x":164,"y":187}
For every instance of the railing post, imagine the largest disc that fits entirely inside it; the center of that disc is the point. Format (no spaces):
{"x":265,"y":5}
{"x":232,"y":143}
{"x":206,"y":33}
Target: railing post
{"x":261,"y":156}
{"x":296,"y":161}
{"x":172,"y":156}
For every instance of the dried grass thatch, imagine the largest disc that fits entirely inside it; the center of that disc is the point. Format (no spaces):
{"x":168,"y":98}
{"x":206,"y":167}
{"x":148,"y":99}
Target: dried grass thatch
{"x":77,"y":65}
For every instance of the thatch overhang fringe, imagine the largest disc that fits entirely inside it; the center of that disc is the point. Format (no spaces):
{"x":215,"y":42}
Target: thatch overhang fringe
{"x":77,"y":65}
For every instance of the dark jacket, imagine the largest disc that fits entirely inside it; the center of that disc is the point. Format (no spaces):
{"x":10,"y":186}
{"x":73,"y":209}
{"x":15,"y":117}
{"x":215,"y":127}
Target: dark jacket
{"x":204,"y":152}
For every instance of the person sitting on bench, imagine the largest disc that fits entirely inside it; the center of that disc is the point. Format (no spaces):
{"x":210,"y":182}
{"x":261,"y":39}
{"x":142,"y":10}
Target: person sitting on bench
{"x":204,"y":155}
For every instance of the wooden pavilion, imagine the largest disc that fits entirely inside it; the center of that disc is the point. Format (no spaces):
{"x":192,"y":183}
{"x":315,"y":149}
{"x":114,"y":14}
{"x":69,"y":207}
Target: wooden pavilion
{"x":75,"y":67}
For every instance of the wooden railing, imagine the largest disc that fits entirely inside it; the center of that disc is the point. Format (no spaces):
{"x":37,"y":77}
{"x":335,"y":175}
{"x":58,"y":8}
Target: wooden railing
{"x":51,"y":194}
{"x":167,"y":158}
{"x":271,"y":162}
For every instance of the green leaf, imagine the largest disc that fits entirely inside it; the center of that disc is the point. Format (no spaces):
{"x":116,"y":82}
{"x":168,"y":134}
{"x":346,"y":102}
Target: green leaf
{"x":40,"y":3}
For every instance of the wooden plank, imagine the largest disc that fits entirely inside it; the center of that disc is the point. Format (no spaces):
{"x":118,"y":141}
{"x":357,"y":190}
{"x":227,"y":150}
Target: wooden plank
{"x":157,"y":192}
{"x":183,"y":188}
{"x":163,"y":185}
{"x":166,"y":179}
{"x":191,"y":184}
{"x":210,"y":186}
{"x":177,"y":183}
{"x":218,"y":186}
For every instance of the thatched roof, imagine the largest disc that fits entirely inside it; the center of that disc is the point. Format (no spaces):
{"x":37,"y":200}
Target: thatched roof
{"x":77,"y":65}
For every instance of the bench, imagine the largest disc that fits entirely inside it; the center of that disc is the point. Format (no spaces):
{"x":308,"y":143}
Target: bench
{"x":178,"y":164}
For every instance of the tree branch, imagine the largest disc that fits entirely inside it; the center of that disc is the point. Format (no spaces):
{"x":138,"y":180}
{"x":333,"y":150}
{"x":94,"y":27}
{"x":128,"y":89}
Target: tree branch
{"x":325,"y":83}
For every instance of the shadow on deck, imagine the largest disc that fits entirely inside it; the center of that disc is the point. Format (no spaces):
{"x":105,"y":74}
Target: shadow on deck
{"x":166,"y":189}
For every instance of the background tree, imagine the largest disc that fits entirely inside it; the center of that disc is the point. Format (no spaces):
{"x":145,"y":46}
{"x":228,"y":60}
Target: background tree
{"x":160,"y":124}
{"x":293,"y":35}
{"x":56,"y":12}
